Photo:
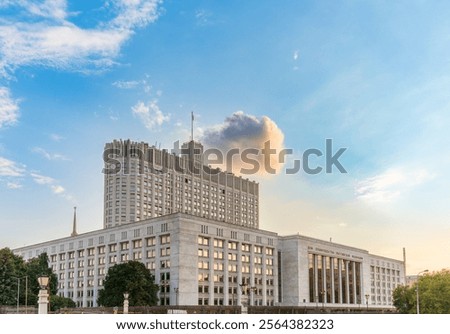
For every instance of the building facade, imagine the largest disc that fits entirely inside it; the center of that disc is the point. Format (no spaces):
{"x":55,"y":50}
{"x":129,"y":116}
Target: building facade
{"x":142,"y":181}
{"x":195,"y":261}
{"x":197,"y":230}
{"x":336,"y":275}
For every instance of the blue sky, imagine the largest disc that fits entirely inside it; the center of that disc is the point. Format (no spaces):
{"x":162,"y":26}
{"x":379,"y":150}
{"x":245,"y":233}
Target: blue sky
{"x":372,"y":76}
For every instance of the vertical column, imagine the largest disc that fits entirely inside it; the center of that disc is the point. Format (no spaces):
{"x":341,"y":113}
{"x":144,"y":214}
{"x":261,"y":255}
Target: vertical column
{"x":355,"y":297}
{"x":347,"y":283}
{"x":324,"y":279}
{"x":340,"y":299}
{"x":264,"y":275}
{"x":332,"y":285}
{"x":211,"y":272}
{"x":316,"y":280}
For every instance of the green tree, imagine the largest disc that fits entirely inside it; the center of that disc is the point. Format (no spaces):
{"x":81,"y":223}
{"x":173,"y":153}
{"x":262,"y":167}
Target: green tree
{"x":434,"y":294}
{"x":404,"y":299}
{"x":132,"y":277}
{"x":57,"y":303}
{"x":12,"y":269}
{"x":35,"y":268}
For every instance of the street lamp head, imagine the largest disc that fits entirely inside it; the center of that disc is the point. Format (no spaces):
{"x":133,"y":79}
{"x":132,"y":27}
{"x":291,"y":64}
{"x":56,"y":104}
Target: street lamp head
{"x":126,"y":295}
{"x":43,"y":282}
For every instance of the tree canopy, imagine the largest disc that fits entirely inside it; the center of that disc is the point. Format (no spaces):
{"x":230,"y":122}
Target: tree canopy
{"x":16,"y":275}
{"x":434,"y":294}
{"x":131,"y":277}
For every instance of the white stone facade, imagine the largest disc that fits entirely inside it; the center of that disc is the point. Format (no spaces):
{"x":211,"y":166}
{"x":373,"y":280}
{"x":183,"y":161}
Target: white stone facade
{"x":194,"y":260}
{"x":198,"y":233}
{"x":316,"y":273}
{"x":142,"y":182}
{"x":198,"y":261}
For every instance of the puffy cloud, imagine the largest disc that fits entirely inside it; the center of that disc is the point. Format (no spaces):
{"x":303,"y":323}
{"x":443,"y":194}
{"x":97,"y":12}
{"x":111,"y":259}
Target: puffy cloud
{"x":242,"y":131}
{"x":9,"y":108}
{"x":150,"y":114}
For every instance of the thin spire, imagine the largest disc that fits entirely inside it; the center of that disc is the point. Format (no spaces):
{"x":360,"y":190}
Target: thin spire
{"x":192,"y":126}
{"x":74,"y":231}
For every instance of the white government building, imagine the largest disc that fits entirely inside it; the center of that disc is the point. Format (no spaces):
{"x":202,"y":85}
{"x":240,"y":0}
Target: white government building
{"x":197,"y":231}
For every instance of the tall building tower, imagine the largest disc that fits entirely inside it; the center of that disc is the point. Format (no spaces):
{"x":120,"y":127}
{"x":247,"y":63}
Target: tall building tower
{"x":142,"y":181}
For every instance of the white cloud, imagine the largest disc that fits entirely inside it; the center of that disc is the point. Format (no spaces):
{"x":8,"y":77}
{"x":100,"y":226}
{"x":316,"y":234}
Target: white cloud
{"x":48,"y":38}
{"x":53,"y":185}
{"x":133,"y":84}
{"x":13,"y":185}
{"x":150,"y":114}
{"x":41,"y":179}
{"x":10,"y":168}
{"x":49,"y":156}
{"x":296,"y":54}
{"x":391,"y":184}
{"x":57,"y":189}
{"x":245,"y":131}
{"x":9,"y":108}
{"x":126,"y":84}
{"x":56,"y":137}
{"x":203,"y":17}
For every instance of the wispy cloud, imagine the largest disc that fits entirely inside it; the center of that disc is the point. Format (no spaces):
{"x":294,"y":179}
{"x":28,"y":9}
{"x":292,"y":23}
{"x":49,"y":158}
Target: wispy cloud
{"x":49,"y":156}
{"x":11,"y":168}
{"x":133,"y":84}
{"x":52,"y":184}
{"x":56,"y":137}
{"x":390,"y":185}
{"x":48,"y":38}
{"x":9,"y":108}
{"x":150,"y":114}
{"x":13,"y":185}
{"x":13,"y":173}
{"x":126,"y":84}
{"x":43,"y":180}
{"x":203,"y":17}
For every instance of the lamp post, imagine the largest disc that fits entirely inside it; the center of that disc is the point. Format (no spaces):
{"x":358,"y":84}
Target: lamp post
{"x":125,"y":302}
{"x":417,"y":289}
{"x":252,"y":289}
{"x":26,"y":292}
{"x":244,"y":298}
{"x":367,"y":302}
{"x":43,"y":294}
{"x":322,"y":293}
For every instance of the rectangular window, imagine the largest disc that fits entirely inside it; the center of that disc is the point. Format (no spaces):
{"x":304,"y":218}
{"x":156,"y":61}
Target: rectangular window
{"x":151,"y":241}
{"x":203,"y":241}
{"x":165,"y":239}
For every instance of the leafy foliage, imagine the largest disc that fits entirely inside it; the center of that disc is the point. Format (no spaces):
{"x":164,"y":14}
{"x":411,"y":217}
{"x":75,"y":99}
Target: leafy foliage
{"x":57,"y":302}
{"x":12,"y":268}
{"x":132,"y":277}
{"x":434,"y":294}
{"x":18,"y":275}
